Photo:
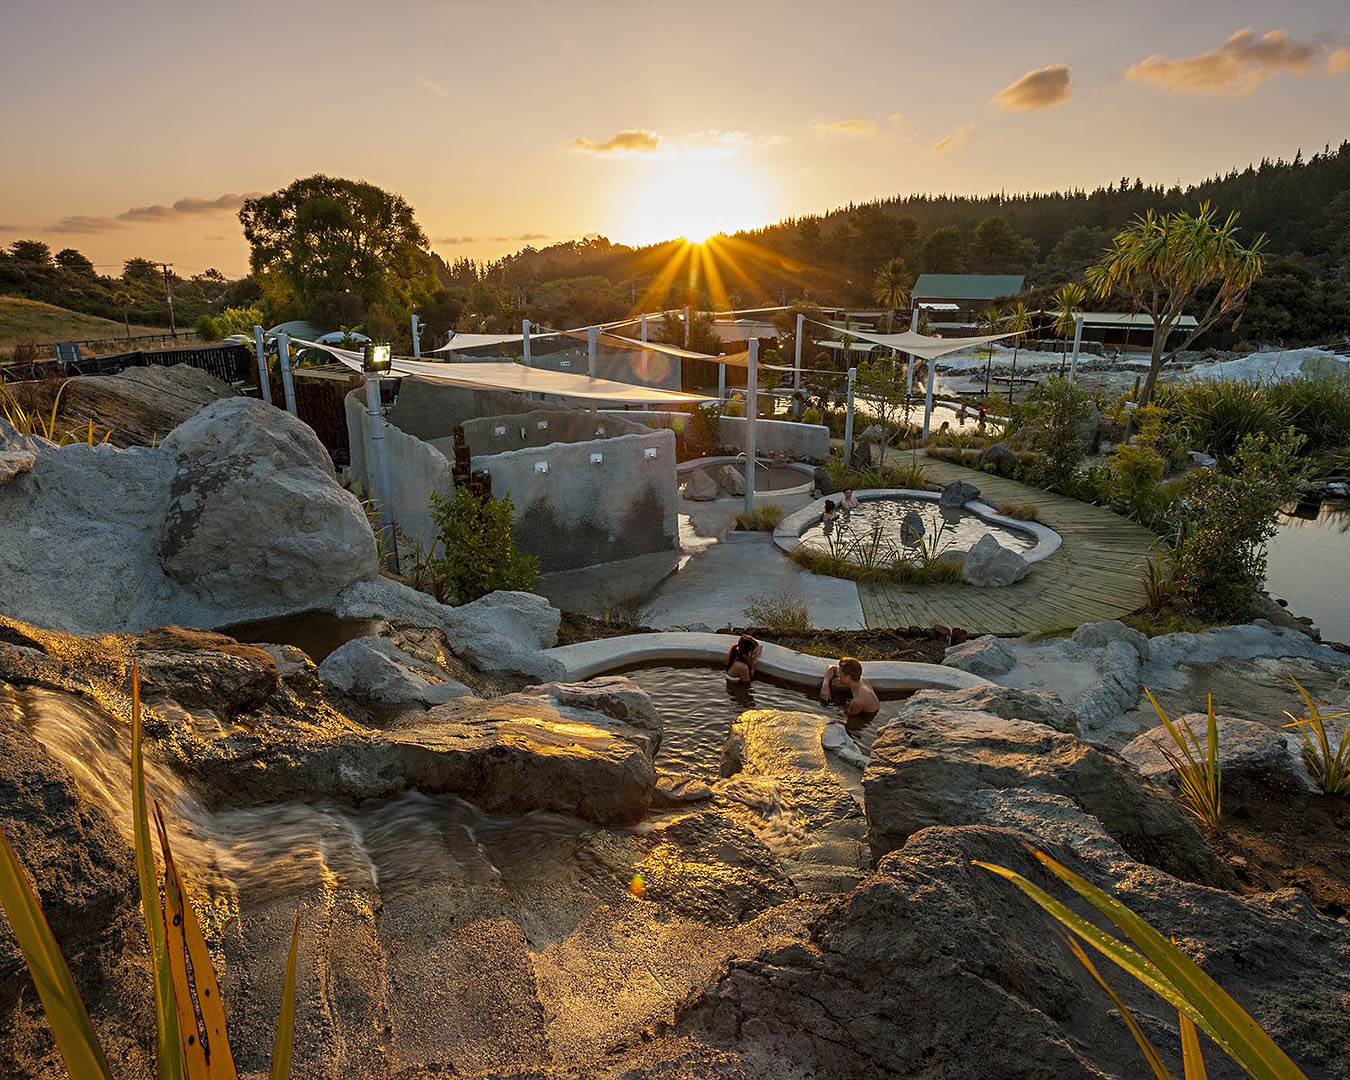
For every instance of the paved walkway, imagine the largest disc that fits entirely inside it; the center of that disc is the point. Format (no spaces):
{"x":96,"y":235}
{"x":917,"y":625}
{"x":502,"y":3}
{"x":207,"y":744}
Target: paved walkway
{"x":1096,"y":575}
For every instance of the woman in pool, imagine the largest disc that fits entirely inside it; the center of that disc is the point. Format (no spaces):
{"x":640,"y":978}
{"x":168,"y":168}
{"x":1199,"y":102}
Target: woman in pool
{"x":849,"y":501}
{"x":741,"y":660}
{"x":830,"y":516}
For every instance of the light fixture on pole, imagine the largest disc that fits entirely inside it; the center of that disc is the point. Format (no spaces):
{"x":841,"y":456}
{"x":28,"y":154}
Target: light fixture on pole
{"x":377,"y":361}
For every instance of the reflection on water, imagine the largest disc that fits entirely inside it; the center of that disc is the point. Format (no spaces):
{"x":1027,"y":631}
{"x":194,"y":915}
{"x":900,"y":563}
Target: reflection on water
{"x":955,"y":530}
{"x":1309,"y":566}
{"x":315,"y":633}
{"x":698,"y":706}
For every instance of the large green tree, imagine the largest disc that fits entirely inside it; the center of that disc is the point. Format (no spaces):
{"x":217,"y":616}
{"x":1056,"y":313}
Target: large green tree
{"x":324,"y":234}
{"x":1167,"y":264}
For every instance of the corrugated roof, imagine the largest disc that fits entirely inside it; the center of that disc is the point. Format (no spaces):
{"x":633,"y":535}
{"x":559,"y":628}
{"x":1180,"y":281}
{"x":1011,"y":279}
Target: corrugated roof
{"x":967,"y":286}
{"x":1131,"y":321}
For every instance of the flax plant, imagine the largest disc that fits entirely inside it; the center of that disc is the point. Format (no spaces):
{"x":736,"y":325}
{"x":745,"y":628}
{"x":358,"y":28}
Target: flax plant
{"x":1329,"y":766}
{"x":1196,"y":766}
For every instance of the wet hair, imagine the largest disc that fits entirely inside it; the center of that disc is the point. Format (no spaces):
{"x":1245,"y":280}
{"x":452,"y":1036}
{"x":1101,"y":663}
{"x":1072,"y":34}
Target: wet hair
{"x":849,"y":668}
{"x":829,"y":505}
{"x":742,"y":650}
{"x":847,"y":490}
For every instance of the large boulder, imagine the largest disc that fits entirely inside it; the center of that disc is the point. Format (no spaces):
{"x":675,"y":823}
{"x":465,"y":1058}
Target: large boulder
{"x":1249,"y":753}
{"x":374,"y":670}
{"x":935,"y":968}
{"x":1000,"y":458}
{"x":990,"y":564}
{"x":140,"y":405}
{"x":256,"y":522}
{"x":986,"y":656}
{"x":933,"y":763}
{"x":730,"y":480}
{"x":201,"y":670}
{"x":699,"y":486}
{"x":956,"y":494}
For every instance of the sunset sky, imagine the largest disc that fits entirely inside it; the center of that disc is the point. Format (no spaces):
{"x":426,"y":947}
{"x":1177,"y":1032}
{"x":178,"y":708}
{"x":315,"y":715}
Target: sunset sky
{"x":135,"y":128}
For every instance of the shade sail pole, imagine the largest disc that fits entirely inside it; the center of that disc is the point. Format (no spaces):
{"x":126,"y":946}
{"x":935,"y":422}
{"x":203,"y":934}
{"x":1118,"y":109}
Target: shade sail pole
{"x":378,"y":468}
{"x":525,"y":337}
{"x":909,"y":378}
{"x":848,"y":416}
{"x":1077,"y":341}
{"x":416,"y":336}
{"x":686,"y":327}
{"x":592,"y":332}
{"x":264,"y":382}
{"x":751,"y":413}
{"x":287,"y":386}
{"x":928,"y":397}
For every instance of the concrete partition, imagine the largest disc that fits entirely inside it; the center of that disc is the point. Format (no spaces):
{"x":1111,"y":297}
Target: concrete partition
{"x":773,"y":438}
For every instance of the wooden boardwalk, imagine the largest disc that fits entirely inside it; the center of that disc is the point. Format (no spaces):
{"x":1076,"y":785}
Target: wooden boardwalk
{"x":1096,"y":574}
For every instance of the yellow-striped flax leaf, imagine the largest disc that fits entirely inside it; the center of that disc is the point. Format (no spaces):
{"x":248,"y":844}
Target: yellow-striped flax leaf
{"x":282,"y":1044}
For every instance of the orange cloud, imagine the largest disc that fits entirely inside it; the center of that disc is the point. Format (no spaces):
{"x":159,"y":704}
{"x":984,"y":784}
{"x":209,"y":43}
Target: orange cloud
{"x":631,"y":141}
{"x":1239,"y":65}
{"x":952,"y":139}
{"x":1039,"y":89}
{"x":853,"y":126}
{"x":1339,"y":61}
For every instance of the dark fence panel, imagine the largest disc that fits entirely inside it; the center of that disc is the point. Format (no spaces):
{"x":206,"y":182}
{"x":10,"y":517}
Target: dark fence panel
{"x":319,"y":404}
{"x":229,"y":363}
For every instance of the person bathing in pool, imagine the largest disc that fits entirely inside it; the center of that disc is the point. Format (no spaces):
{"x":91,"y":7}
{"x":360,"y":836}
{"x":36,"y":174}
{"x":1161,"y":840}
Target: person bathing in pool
{"x":844,"y":683}
{"x":742,"y":658}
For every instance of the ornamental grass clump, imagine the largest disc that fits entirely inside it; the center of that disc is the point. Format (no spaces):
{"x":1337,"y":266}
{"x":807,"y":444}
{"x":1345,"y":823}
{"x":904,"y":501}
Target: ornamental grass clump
{"x":1147,"y":956}
{"x":1330,"y":766}
{"x":1196,"y":765}
{"x":191,"y":1037}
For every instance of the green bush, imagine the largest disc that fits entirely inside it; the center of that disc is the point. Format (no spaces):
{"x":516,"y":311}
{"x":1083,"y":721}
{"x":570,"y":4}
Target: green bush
{"x":1226,"y":517}
{"x":1318,"y":408}
{"x":734,"y":407}
{"x":229,"y":321}
{"x":480,"y":554}
{"x":1137,"y":469}
{"x":811,"y":415}
{"x":1219,"y":416}
{"x":1050,"y":423}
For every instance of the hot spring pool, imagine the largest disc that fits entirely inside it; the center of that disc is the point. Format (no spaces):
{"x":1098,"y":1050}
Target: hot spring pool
{"x":954,"y":530}
{"x":697,"y":708}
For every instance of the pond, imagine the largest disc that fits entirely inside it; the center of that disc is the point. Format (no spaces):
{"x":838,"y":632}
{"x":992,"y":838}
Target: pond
{"x":1309,"y":566}
{"x":698,"y":707}
{"x":954,"y":530}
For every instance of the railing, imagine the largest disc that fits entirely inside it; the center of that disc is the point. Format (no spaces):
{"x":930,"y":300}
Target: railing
{"x":229,"y":363}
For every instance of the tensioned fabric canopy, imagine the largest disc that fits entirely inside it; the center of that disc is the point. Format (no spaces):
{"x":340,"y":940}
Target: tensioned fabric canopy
{"x":474,"y":341}
{"x":618,"y":341}
{"x":921,"y":345}
{"x":520,"y":379}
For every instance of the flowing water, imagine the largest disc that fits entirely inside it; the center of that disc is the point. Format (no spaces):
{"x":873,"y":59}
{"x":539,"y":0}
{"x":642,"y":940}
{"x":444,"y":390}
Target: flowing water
{"x":954,"y":530}
{"x":698,"y":706}
{"x":1309,"y":566}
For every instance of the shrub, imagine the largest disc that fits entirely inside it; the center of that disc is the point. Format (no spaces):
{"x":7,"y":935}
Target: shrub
{"x":1219,"y":416}
{"x":811,"y":415}
{"x":767,"y":517}
{"x":912,"y":474}
{"x":1329,"y":766}
{"x":1196,"y":766}
{"x":1136,"y":469}
{"x":782,"y":610}
{"x":1317,"y":407}
{"x":734,"y":407}
{"x":1226,"y":519}
{"x":230,"y":321}
{"x":1020,"y":511}
{"x":480,"y":554}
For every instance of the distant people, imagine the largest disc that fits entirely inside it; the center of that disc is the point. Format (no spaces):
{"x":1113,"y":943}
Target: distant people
{"x":844,"y":684}
{"x":830,"y":516}
{"x":984,"y":416}
{"x":849,"y":501}
{"x":742,"y":659}
{"x":962,"y":413}
{"x":946,"y":427}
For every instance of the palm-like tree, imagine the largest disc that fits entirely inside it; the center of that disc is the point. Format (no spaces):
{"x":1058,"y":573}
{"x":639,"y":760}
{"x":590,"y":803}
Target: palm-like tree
{"x":891,"y":288}
{"x":1017,"y":321}
{"x":991,"y":323}
{"x":1069,"y":301}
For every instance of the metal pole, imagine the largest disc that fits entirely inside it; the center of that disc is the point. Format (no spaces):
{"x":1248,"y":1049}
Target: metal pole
{"x":797,"y":369}
{"x":168,"y":295}
{"x":417,"y":338}
{"x":1077,"y":341}
{"x":721,"y":382}
{"x":284,"y":355}
{"x":525,"y":337}
{"x":848,"y":416}
{"x":591,"y":333}
{"x":377,"y":471}
{"x":751,"y":410}
{"x":928,"y":397}
{"x":909,"y":378}
{"x":686,"y":327}
{"x":264,"y":383}
{"x":645,"y":360}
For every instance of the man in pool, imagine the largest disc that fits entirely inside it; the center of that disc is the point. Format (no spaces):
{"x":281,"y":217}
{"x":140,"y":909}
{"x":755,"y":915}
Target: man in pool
{"x":849,"y":501}
{"x":844,"y":683}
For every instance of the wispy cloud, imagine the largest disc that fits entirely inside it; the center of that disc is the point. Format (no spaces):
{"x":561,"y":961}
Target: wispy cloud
{"x":157,"y":213}
{"x":1041,"y":88}
{"x":432,"y":87}
{"x":451,"y":241}
{"x":1239,"y":65}
{"x":730,"y":143}
{"x":952,"y":139}
{"x":520,"y":238}
{"x":627,"y":142}
{"x":1339,"y":61}
{"x":853,"y":126}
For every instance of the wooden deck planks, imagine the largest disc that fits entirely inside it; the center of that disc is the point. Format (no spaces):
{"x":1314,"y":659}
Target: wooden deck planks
{"x":1095,"y":575}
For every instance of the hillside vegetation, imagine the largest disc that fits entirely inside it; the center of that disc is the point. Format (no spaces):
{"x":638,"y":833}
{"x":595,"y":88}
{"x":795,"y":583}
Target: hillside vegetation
{"x":23,"y":321}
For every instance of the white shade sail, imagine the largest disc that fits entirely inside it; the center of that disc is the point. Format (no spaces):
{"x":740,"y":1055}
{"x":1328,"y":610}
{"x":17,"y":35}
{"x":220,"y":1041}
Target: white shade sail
{"x":475,"y":341}
{"x":922,"y":345}
{"x":517,"y":378}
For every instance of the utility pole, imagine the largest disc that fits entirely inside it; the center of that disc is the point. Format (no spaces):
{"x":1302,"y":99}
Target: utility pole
{"x":168,"y":295}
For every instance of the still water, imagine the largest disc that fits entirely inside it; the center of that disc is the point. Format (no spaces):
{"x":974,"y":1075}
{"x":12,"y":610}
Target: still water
{"x":1309,"y":566}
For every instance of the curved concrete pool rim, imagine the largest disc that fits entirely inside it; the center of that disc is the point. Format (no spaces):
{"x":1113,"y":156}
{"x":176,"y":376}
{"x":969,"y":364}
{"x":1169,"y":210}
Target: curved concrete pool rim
{"x":788,"y":534}
{"x":586,"y":659}
{"x":804,"y":488}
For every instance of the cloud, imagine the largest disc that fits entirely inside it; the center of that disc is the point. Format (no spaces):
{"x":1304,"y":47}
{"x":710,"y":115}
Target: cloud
{"x":1339,"y":61}
{"x":1239,"y":65}
{"x":627,"y":142}
{"x":519,"y":239}
{"x":1041,"y":88}
{"x":952,"y":139}
{"x":450,"y":241}
{"x":157,"y":213}
{"x":853,"y":126}
{"x":432,"y":87}
{"x":730,"y":143}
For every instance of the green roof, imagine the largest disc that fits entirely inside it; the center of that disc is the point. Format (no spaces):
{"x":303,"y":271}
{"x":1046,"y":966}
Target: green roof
{"x":966,"y":286}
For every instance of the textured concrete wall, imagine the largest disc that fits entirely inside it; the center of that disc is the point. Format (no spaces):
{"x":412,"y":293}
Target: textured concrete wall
{"x":540,"y":427}
{"x":430,"y":410}
{"x":799,"y":442}
{"x":580,"y":512}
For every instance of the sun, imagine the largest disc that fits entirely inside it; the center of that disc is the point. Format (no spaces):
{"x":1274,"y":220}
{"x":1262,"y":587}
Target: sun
{"x":694,"y":198}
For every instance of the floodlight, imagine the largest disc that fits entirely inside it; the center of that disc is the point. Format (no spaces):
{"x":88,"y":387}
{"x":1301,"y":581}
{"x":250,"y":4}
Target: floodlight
{"x":377,"y":359}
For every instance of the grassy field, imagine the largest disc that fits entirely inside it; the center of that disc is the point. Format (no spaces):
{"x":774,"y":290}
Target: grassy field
{"x":32,"y":320}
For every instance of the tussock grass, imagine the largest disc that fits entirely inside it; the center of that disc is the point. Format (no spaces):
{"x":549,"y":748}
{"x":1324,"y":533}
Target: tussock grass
{"x":782,"y":610}
{"x":1330,"y":766}
{"x":767,"y":517}
{"x":1020,"y":511}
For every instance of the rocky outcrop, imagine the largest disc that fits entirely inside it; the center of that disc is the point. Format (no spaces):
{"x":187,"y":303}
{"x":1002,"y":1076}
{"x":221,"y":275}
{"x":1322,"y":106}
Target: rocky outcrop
{"x":730,"y":480}
{"x":140,"y":405}
{"x":1000,"y":458}
{"x":236,"y":516}
{"x":935,"y":968}
{"x":374,"y":670}
{"x":937,"y":762}
{"x":699,"y":486}
{"x":986,"y":656}
{"x":956,"y":494}
{"x":990,"y":564}
{"x":1249,"y":753}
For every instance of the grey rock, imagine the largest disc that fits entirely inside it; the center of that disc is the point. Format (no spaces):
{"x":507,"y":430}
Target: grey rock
{"x":201,"y":670}
{"x":928,"y":765}
{"x":14,"y":462}
{"x":876,"y":433}
{"x":835,"y":740}
{"x":699,"y":486}
{"x":912,"y":528}
{"x":1201,"y":460}
{"x":1005,"y":702}
{"x":526,"y":617}
{"x":372,"y":669}
{"x":612,"y":696}
{"x":141,"y":405}
{"x":956,"y":494}
{"x":1001,"y":457}
{"x":986,"y":656}
{"x":674,"y":790}
{"x":823,"y":482}
{"x":730,"y":480}
{"x":862,"y":455}
{"x":990,"y":564}
{"x":1102,"y":634}
{"x":1249,"y":752}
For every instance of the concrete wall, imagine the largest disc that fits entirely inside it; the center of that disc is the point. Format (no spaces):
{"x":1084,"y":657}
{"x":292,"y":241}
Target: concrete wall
{"x":430,"y":410}
{"x":799,"y":442}
{"x":540,"y":427}
{"x":580,"y":512}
